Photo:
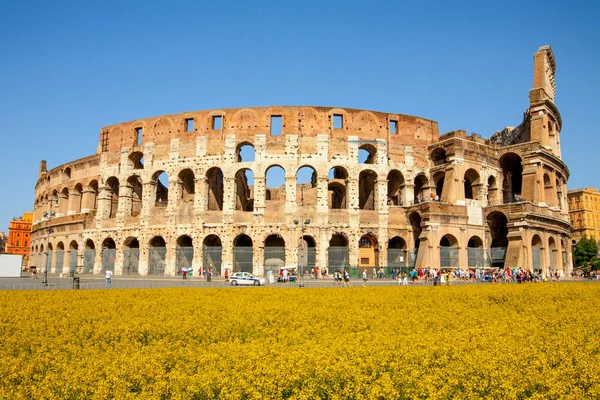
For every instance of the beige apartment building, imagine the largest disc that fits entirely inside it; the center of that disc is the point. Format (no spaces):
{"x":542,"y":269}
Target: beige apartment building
{"x":584,"y":211}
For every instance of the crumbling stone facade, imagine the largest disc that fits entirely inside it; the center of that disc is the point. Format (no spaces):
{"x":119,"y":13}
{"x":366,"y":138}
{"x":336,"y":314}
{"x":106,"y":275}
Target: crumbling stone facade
{"x":382,"y":189}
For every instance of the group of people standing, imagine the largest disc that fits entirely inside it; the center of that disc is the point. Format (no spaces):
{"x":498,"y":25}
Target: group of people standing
{"x":202,"y":273}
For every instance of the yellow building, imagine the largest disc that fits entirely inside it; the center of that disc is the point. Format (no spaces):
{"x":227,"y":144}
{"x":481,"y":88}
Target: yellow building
{"x":584,"y":211}
{"x":19,"y":235}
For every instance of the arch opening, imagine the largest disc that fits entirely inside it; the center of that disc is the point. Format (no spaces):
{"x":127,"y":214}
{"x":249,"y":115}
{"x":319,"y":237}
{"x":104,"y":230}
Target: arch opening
{"x":367,"y":186}
{"x":395,"y":188}
{"x":512,"y":170}
{"x":337,"y":188}
{"x":157,"y":255}
{"x":244,"y":190}
{"x":243,"y":253}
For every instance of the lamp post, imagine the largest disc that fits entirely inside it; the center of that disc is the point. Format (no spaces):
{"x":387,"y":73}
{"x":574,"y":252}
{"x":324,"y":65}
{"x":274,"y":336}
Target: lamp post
{"x":302,"y":256}
{"x":48,"y":216}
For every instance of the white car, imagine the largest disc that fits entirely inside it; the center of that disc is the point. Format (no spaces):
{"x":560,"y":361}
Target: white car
{"x":246,"y":278}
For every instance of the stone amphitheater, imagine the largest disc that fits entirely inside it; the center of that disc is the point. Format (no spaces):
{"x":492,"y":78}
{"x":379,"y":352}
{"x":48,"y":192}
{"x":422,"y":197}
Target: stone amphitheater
{"x":255,"y":189}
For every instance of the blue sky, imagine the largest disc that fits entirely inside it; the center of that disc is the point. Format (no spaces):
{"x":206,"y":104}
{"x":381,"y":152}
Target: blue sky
{"x":69,"y":68}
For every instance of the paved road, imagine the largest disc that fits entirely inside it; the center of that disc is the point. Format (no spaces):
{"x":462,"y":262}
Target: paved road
{"x":121,"y":282}
{"x":55,"y":282}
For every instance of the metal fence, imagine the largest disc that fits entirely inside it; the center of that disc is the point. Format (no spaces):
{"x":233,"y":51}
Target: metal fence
{"x":412,"y":257}
{"x":476,"y":257}
{"x":59,"y":262}
{"x":536,"y":253}
{"x":72,"y":260}
{"x":242,"y":259}
{"x":183,"y":258}
{"x":448,"y":257}
{"x":131,"y":261}
{"x":337,"y":257}
{"x":274,"y":258}
{"x":108,"y":259}
{"x":496,"y":255}
{"x":213,"y":258}
{"x":156,"y":260}
{"x":396,"y":257}
{"x":552,"y":253}
{"x":48,"y":265}
{"x":89,"y":259}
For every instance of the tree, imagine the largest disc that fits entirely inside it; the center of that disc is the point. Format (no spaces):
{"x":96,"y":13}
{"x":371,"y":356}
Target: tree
{"x":585,"y":250}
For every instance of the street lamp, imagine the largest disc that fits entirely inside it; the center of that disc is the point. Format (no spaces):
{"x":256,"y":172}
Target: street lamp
{"x":302,"y":256}
{"x":48,"y":216}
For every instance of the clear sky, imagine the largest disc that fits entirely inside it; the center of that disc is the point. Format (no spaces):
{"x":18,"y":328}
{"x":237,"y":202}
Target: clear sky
{"x":68,"y":68}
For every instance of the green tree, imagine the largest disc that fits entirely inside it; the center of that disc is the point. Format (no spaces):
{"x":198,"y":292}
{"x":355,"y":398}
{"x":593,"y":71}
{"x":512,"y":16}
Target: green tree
{"x":585,"y":250}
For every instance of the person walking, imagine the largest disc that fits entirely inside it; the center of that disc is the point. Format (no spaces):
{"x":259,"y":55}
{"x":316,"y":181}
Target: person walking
{"x":346,"y":278}
{"x":365,"y":277}
{"x":108,"y":277}
{"x":184,"y":272}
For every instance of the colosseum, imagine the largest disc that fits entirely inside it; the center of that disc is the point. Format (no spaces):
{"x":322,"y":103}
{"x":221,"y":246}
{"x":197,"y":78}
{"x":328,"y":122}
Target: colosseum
{"x":254,"y":189}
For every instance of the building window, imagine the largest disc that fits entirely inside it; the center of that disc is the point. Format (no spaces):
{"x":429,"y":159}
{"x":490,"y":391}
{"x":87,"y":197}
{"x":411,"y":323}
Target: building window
{"x":217,"y":122}
{"x":189,"y":125}
{"x":338,"y":121}
{"x":139,"y":135}
{"x":393,"y":127}
{"x":276,"y":125}
{"x":104,"y":141}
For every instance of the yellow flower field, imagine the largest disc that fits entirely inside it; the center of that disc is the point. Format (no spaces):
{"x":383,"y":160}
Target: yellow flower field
{"x":482,"y":341}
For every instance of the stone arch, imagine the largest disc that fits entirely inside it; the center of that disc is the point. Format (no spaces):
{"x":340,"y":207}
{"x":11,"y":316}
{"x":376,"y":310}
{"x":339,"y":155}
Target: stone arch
{"x":157,"y":256}
{"x":397,"y":252}
{"x":131,"y":256}
{"x":136,"y":160}
{"x":78,"y":191}
{"x":215,"y":178}
{"x":184,"y":254}
{"x":67,"y":174}
{"x":438,"y":180}
{"x":63,"y":204}
{"x":448,"y":251}
{"x":415,"y":223}
{"x":161,"y":196}
{"x":367,"y":154}
{"x":306,"y":185}
{"x":512,"y":171}
{"x":136,"y":188}
{"x":109,"y":252}
{"x":274,"y":254}
{"x":537,"y":249}
{"x":553,"y":250}
{"x":337,"y":188}
{"x":471,"y":183}
{"x":89,"y":257}
{"x":112,"y":191}
{"x":421,"y":185}
{"x":497,"y":224}
{"x":245,"y":152}
{"x":187,"y":184}
{"x":368,"y":251}
{"x":492,"y":191}
{"x":213,"y":253}
{"x":548,"y":190}
{"x":438,"y":156}
{"x":243,"y":252}
{"x":475,"y":252}
{"x":395,"y":190}
{"x":73,"y":250}
{"x":307,"y":253}
{"x":275,"y":183}
{"x":367,"y":190}
{"x":337,"y":253}
{"x":92,"y":189}
{"x":244,"y":190}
